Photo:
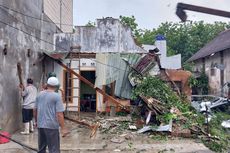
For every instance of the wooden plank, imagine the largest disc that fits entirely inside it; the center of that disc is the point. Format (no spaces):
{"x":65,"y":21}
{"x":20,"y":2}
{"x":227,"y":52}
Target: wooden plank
{"x":110,"y":98}
{"x":81,"y":55}
{"x":19,"y":69}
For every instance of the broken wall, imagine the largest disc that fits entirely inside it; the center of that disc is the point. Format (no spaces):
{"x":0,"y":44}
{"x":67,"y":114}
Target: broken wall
{"x":179,"y":77}
{"x":17,"y":44}
{"x":109,"y":35}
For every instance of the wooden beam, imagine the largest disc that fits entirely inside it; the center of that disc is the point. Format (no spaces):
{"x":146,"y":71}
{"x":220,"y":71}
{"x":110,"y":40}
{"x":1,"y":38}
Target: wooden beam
{"x":110,"y":98}
{"x":19,"y":69}
{"x":81,"y":55}
{"x":112,"y":86}
{"x":93,"y":127}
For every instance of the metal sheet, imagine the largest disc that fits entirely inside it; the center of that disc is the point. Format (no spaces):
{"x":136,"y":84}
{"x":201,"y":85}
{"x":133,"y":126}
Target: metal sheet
{"x":164,"y":128}
{"x":112,"y":67}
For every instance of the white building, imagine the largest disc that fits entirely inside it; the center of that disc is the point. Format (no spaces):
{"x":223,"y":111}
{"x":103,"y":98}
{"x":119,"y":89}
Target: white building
{"x":171,"y":62}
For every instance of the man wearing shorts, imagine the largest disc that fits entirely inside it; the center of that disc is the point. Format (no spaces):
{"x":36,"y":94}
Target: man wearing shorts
{"x":29,"y":94}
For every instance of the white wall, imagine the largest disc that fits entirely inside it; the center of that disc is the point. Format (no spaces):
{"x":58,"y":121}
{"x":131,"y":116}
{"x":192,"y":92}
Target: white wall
{"x":76,"y":82}
{"x":64,"y":8}
{"x":171,"y":62}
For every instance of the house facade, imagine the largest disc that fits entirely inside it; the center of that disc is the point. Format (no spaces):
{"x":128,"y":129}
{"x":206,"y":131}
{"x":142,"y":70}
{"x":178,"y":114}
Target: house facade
{"x":214,"y":60}
{"x":98,"y":49}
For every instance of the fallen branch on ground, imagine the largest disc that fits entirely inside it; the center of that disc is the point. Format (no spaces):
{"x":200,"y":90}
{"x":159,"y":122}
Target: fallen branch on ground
{"x":93,"y":127}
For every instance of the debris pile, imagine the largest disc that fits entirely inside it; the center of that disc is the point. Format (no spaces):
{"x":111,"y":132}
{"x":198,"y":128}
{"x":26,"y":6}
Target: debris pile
{"x":160,"y":106}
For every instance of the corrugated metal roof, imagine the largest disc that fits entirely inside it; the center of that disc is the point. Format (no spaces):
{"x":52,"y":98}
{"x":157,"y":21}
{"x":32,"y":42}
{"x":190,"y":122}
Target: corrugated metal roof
{"x":56,"y":55}
{"x":219,"y":43}
{"x":112,"y":67}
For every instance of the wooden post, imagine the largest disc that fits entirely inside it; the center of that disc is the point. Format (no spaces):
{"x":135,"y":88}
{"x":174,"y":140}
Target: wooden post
{"x":112,"y":106}
{"x":19,"y":69}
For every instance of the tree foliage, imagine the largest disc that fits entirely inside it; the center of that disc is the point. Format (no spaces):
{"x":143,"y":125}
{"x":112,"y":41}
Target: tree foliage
{"x":156,"y":88}
{"x":131,"y":22}
{"x":182,"y":38}
{"x":91,"y":24}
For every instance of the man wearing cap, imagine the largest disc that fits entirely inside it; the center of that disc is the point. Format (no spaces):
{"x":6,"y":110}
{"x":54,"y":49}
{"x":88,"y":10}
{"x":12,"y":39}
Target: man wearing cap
{"x":48,"y":114}
{"x":51,"y":74}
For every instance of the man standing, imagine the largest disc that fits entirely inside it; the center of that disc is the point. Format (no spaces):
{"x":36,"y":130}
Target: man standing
{"x":29,"y":96}
{"x":49,"y":116}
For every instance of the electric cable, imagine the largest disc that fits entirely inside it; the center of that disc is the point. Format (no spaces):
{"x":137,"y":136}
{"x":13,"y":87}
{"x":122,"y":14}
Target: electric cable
{"x":33,"y":17}
{"x":41,"y":31}
{"x":25,"y":23}
{"x":1,"y":21}
{"x":21,"y":144}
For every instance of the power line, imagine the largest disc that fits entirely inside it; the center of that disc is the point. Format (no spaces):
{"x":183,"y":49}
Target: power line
{"x":36,"y":18}
{"x":24,"y":23}
{"x":108,"y":65}
{"x":44,"y":32}
{"x":1,"y":21}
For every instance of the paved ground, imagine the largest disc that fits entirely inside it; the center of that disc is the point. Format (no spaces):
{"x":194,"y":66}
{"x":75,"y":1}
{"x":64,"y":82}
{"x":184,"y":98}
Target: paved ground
{"x":79,"y":142}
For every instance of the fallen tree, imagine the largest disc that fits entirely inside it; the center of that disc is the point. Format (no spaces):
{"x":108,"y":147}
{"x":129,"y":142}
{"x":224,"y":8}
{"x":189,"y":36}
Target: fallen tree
{"x":167,"y":105}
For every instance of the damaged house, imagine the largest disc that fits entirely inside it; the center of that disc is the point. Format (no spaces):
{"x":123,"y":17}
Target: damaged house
{"x":96,"y":54}
{"x":108,"y":58}
{"x":103,"y":55}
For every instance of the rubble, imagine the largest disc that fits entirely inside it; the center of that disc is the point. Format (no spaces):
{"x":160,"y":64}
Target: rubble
{"x":117,"y":150}
{"x":164,"y":128}
{"x":154,"y":105}
{"x":157,"y":103}
{"x":117,"y":140}
{"x":132,"y":127}
{"x":209,"y":101}
{"x":226,"y":124}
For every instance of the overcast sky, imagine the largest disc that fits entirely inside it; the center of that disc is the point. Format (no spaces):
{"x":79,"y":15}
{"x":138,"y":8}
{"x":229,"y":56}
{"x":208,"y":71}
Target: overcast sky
{"x":148,"y":13}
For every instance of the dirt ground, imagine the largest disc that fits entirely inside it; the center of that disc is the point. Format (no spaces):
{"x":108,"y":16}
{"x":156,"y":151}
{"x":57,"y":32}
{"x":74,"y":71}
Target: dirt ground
{"x":79,"y":141}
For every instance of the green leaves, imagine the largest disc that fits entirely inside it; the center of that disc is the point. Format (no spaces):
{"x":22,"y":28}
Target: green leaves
{"x":91,"y":24}
{"x":192,"y":81}
{"x":156,"y":88}
{"x":186,"y":38}
{"x":182,"y":38}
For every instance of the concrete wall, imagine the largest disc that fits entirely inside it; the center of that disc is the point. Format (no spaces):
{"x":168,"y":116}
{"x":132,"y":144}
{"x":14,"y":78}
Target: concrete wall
{"x":227,"y":66}
{"x":198,"y":65}
{"x":17,"y":44}
{"x":213,"y":63}
{"x":214,"y":80}
{"x":108,"y":36}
